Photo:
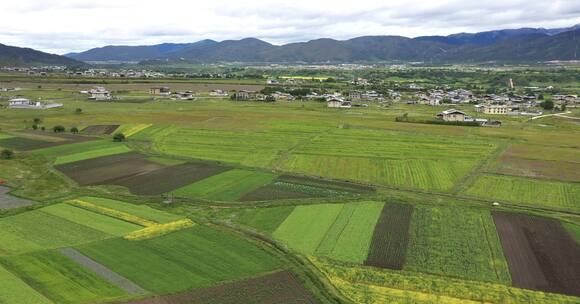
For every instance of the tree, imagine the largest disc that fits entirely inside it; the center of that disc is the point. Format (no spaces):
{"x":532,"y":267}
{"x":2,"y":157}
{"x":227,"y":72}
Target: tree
{"x":42,"y":128}
{"x":35,"y":127}
{"x":37,"y":121}
{"x":119,"y":137}
{"x":78,"y":111}
{"x":58,"y":129}
{"x":547,"y":105}
{"x":6,"y":154}
{"x":74,"y":130}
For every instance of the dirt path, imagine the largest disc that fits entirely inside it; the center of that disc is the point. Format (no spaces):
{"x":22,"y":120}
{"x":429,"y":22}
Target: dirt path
{"x":103,"y":272}
{"x":8,"y":201}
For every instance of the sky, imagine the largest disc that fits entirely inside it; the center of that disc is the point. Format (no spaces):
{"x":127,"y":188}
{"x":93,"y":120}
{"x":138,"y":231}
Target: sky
{"x":62,"y":26}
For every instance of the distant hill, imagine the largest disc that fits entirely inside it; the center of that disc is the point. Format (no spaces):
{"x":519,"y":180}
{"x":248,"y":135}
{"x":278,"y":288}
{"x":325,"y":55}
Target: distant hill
{"x":526,"y":44}
{"x":16,"y":56}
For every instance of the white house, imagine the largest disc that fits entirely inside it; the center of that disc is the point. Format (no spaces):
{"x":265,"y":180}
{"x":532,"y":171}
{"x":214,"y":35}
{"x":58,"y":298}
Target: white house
{"x":24,"y":103}
{"x":99,"y":93}
{"x":454,"y":115}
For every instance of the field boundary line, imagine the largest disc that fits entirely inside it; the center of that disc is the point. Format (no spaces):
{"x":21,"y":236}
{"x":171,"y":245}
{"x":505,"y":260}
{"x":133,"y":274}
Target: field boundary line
{"x":102,"y":271}
{"x":470,"y":178}
{"x":491,"y":253}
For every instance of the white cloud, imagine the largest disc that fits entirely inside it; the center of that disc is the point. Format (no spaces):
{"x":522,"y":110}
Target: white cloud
{"x":73,"y":25}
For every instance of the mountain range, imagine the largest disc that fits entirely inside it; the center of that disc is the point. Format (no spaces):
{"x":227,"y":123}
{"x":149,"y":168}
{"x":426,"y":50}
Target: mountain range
{"x":510,"y":45}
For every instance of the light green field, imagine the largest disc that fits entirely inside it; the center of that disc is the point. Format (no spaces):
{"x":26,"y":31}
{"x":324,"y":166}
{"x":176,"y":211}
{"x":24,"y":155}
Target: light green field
{"x":35,"y":230}
{"x":4,"y":136}
{"x":350,"y":236}
{"x":574,"y":231}
{"x":306,"y":226}
{"x":61,"y":279}
{"x":227,"y":186}
{"x":91,"y":154}
{"x":142,"y":211}
{"x":460,"y":243}
{"x":190,"y":258}
{"x":527,"y":190}
{"x":90,"y":219}
{"x":242,"y":147}
{"x":15,"y":290}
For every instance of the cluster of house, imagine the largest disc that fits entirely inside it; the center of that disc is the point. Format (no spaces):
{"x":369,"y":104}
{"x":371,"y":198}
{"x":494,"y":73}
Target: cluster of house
{"x":104,"y":73}
{"x":569,"y":101}
{"x":10,"y":89}
{"x":98,"y":94}
{"x":438,"y":97}
{"x":35,"y":71}
{"x":24,"y":103}
{"x":166,"y":91}
{"x":243,"y":95}
{"x":453,"y":115}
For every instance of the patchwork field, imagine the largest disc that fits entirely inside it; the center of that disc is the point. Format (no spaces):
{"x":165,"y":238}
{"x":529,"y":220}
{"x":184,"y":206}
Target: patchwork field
{"x":61,"y":279}
{"x":192,"y":258}
{"x":457,"y":243}
{"x":340,"y":231}
{"x":279,"y":287}
{"x":32,"y":140}
{"x":526,"y":190}
{"x":541,"y":254}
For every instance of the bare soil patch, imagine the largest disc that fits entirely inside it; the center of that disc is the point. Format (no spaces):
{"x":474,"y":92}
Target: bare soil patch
{"x":276,"y":288}
{"x":165,"y":179}
{"x":33,"y":140}
{"x":541,"y":254}
{"x":548,"y":169}
{"x":100,"y":129}
{"x":390,"y":237}
{"x":98,"y":171}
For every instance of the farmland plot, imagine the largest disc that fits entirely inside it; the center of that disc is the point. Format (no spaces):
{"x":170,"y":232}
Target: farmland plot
{"x":541,"y":254}
{"x":263,"y":219}
{"x":390,"y":237}
{"x":279,"y":287}
{"x":100,"y":129}
{"x":61,"y":279}
{"x":525,"y":190}
{"x":391,"y":158}
{"x":457,"y":243}
{"x":142,"y":211}
{"x":191,"y":258}
{"x":28,"y":141}
{"x":8,"y":201}
{"x":306,"y":226}
{"x":34,"y":230}
{"x":350,"y":236}
{"x":227,"y":186}
{"x":247,"y":148}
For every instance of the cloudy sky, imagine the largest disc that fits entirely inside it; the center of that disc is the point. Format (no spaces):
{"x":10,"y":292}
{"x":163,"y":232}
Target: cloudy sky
{"x":61,"y":26}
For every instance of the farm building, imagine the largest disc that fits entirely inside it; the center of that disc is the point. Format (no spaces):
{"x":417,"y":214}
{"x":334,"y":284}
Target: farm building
{"x":219,"y":93}
{"x":244,"y":95}
{"x":163,"y":91}
{"x":492,"y":109}
{"x":99,"y":93}
{"x":187,"y":95}
{"x":338,"y":103}
{"x":453,"y":115}
{"x":23,"y":103}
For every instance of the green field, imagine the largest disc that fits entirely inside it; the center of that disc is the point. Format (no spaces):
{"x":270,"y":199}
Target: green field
{"x":15,"y":290}
{"x":528,"y":191}
{"x":263,"y":219}
{"x":306,"y":226}
{"x":190,"y":258}
{"x":90,"y":219}
{"x":350,"y":236}
{"x":61,"y":279}
{"x":4,"y":136}
{"x":38,"y":230}
{"x":227,"y":186}
{"x":91,"y":154}
{"x":460,"y":243}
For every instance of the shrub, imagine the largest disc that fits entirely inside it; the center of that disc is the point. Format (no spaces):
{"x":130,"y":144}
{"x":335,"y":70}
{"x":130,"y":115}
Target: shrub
{"x":74,"y":130}
{"x":58,"y":129}
{"x":6,"y":154}
{"x":119,"y":137}
{"x":78,"y":111}
{"x":34,"y":127}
